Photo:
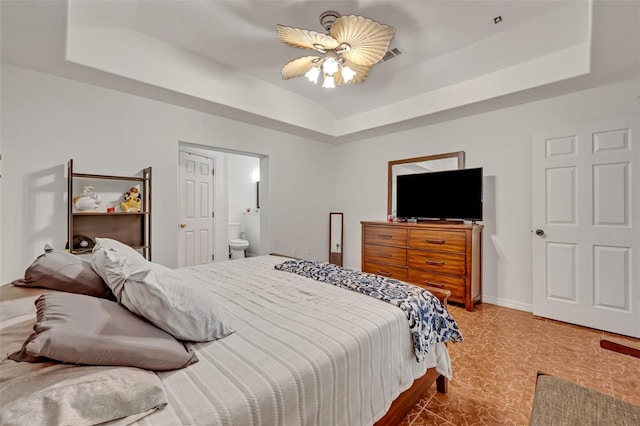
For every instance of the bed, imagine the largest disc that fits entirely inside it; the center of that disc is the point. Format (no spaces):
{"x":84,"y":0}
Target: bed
{"x":303,"y":352}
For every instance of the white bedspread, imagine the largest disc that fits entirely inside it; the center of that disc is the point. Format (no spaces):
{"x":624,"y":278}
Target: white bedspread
{"x":304,"y":353}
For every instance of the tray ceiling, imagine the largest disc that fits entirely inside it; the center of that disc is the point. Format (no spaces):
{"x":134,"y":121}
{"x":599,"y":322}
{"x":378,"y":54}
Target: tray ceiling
{"x":224,"y":56}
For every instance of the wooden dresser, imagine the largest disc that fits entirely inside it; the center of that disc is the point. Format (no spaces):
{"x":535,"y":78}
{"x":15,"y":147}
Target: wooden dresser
{"x":429,"y":254}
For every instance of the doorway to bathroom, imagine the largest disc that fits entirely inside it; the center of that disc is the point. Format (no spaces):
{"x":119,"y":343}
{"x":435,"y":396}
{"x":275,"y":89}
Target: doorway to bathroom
{"x":243,"y":195}
{"x":239,"y":206}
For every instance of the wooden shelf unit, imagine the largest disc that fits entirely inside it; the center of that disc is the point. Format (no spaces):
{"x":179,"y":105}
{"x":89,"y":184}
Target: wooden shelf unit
{"x":445,"y":256}
{"x":133,"y":229}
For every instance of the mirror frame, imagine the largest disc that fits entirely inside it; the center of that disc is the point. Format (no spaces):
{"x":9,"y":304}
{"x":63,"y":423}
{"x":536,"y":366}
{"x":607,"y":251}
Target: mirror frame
{"x":336,"y":257}
{"x":456,"y":154}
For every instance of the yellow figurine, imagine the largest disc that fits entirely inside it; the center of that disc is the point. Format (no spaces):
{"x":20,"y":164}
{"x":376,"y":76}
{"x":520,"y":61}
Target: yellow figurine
{"x":132,"y":202}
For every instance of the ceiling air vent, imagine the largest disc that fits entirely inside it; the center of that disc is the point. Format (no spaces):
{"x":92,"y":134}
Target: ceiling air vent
{"x":392,"y":54}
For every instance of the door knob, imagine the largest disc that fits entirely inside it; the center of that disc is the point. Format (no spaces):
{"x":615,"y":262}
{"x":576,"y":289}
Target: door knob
{"x":183,"y":225}
{"x":539,"y":232}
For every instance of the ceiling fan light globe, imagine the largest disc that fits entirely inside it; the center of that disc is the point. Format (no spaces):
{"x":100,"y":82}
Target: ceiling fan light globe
{"x":320,"y":48}
{"x":344,"y":47}
{"x":328,"y":82}
{"x":330,"y":66}
{"x":313,"y":74}
{"x":347,"y":74}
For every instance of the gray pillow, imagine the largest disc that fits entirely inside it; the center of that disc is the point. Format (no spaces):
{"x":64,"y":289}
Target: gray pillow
{"x":128,"y":261}
{"x":169,"y":299}
{"x":79,"y":329}
{"x":59,"y":270}
{"x":111,"y":244}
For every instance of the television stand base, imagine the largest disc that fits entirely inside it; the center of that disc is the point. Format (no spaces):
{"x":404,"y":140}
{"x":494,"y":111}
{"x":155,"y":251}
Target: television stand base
{"x":443,"y":221}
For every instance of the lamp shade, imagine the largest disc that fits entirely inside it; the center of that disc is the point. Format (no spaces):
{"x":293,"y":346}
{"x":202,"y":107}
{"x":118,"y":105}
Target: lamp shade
{"x":330,"y":66}
{"x":313,"y":74}
{"x":329,"y":82}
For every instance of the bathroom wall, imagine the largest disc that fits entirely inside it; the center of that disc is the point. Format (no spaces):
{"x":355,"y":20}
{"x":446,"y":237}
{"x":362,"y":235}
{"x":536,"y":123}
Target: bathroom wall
{"x":241,"y":184}
{"x":250,"y":224}
{"x":242,"y":173}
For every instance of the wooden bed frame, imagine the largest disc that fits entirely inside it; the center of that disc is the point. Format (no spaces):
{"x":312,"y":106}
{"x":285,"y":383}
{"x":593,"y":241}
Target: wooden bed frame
{"x":401,"y":406}
{"x":409,"y":398}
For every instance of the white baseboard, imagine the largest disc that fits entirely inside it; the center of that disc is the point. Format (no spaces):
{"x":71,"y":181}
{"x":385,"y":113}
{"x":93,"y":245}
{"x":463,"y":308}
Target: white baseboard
{"x":527,"y":307}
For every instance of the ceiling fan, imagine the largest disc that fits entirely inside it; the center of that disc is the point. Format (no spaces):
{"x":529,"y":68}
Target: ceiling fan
{"x":346,"y":54}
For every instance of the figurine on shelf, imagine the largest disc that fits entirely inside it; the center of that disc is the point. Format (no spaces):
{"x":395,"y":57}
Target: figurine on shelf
{"x":88,"y":200}
{"x":132,"y":201}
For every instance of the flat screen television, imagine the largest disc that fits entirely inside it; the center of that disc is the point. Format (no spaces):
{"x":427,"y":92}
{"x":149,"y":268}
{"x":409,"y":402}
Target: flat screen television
{"x":450,"y":194}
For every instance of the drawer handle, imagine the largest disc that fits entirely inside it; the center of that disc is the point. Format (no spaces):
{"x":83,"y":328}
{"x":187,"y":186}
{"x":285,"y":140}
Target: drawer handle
{"x":434,"y":241}
{"x":386,"y":274}
{"x":385,"y":236}
{"x":431,"y":283}
{"x":434,"y":262}
{"x":389,"y":255}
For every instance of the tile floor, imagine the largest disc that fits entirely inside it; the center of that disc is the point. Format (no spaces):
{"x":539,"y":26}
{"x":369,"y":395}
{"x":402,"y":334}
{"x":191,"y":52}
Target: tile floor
{"x":494,"y":369}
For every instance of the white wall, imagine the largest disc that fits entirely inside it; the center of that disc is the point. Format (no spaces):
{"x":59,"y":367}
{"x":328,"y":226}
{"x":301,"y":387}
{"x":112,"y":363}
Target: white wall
{"x":47,"y":120}
{"x":498,"y":141}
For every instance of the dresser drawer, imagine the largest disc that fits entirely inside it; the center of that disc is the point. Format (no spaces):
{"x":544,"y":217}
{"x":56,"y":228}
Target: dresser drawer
{"x":432,"y":239}
{"x":456,"y":285}
{"x":448,"y":263}
{"x":384,"y":254}
{"x":385,"y":235}
{"x":395,"y":272}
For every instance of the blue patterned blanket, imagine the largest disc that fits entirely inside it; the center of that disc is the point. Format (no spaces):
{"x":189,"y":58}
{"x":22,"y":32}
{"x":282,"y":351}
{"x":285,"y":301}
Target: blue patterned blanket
{"x":429,"y":320}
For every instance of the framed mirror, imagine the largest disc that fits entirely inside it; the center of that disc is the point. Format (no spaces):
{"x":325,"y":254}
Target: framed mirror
{"x":429,"y":163}
{"x":335,"y":238}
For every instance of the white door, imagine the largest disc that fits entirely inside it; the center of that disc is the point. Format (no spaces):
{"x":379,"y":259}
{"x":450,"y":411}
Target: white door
{"x":586,"y":217}
{"x":195,"y":213}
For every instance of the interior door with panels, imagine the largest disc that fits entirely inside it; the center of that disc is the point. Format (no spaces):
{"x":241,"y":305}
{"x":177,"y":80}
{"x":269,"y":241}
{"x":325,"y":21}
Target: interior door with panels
{"x":195,"y":215}
{"x":586,"y":224}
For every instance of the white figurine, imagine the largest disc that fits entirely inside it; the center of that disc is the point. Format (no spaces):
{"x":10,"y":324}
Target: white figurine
{"x":88,"y":200}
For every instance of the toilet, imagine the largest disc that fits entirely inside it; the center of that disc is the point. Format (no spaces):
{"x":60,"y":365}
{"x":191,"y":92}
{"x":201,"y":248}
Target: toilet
{"x":237,"y":246}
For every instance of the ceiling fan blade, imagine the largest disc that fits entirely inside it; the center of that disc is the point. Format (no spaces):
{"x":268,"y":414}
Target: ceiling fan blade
{"x":298,"y":67}
{"x":362,"y":73}
{"x":305,"y":39}
{"x":369,"y":40}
